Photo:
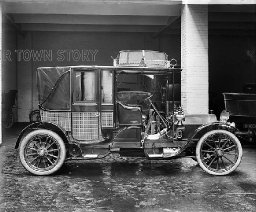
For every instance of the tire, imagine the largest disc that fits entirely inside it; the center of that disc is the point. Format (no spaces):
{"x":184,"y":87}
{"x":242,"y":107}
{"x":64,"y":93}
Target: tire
{"x":42,"y":152}
{"x":219,"y":152}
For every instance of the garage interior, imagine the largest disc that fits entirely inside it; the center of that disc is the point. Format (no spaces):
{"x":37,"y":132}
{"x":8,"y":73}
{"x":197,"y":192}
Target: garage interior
{"x":106,"y":27}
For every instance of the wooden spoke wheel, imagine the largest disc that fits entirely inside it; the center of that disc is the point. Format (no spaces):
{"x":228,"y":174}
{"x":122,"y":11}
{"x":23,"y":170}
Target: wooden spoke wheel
{"x":219,"y":152}
{"x":42,"y":152}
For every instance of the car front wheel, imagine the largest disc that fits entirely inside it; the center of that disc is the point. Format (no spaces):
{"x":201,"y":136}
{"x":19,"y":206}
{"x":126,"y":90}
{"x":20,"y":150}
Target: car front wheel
{"x":219,"y":152}
{"x":42,"y":152}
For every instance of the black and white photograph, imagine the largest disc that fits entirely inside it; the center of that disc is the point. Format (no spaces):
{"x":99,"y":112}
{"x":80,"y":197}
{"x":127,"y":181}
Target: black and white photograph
{"x":128,"y":105}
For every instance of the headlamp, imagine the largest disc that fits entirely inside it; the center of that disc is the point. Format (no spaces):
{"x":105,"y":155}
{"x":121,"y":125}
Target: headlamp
{"x":144,"y":118}
{"x":179,"y":115}
{"x":224,"y":116}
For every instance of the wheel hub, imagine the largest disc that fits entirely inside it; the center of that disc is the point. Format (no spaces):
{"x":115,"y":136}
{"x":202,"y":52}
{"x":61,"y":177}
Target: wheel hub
{"x":42,"y":151}
{"x":219,"y":152}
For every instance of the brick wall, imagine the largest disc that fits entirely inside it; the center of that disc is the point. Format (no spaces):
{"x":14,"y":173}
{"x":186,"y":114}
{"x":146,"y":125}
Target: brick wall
{"x":194,"y":59}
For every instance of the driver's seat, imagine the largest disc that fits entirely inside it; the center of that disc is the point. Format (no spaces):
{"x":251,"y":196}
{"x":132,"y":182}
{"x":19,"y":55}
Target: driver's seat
{"x":129,"y":115}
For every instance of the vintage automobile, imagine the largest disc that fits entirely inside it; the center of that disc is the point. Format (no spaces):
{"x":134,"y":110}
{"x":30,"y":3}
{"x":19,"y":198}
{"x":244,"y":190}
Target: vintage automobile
{"x":131,"y":108}
{"x":241,"y":109}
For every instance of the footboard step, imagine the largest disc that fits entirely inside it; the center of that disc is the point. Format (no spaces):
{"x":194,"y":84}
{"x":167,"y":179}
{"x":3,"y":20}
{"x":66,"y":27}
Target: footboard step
{"x":155,"y":155}
{"x":90,"y":156}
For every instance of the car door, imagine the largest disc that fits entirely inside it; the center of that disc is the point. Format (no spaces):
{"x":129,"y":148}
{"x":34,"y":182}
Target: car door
{"x":85,"y":116}
{"x":107,"y":98}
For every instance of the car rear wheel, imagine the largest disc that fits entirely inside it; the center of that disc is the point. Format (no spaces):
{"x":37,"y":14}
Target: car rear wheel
{"x":219,"y":152}
{"x":42,"y":152}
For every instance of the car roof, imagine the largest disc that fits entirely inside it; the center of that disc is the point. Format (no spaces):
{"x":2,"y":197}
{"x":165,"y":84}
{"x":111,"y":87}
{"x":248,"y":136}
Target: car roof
{"x":119,"y":69}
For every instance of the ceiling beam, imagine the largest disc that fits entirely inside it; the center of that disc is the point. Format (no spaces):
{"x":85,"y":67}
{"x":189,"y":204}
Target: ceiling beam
{"x":222,"y":2}
{"x":92,"y":8}
{"x":232,"y":17}
{"x":232,"y":8}
{"x":231,"y":33}
{"x":153,"y":2}
{"x":8,"y":19}
{"x":89,"y":28}
{"x":236,"y":26}
{"x":89,"y":19}
{"x":171,"y":22}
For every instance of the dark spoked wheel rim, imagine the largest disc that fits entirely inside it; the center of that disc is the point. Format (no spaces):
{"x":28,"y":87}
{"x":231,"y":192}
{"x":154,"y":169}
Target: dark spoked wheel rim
{"x":219,"y":152}
{"x":42,"y":152}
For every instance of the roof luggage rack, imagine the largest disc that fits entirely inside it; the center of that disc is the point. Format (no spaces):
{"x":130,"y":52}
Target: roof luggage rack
{"x":143,"y":58}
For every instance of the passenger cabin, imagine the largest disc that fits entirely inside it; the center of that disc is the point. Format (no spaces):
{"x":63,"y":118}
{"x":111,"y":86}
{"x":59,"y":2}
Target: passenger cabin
{"x":85,"y":100}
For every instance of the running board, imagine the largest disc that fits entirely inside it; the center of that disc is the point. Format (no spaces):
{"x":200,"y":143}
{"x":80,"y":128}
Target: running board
{"x":155,"y":155}
{"x":161,"y":155}
{"x":167,"y":153}
{"x":90,"y":156}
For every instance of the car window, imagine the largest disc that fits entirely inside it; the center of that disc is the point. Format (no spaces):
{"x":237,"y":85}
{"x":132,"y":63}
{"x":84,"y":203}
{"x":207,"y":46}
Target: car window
{"x":107,"y":87}
{"x":85,"y":87}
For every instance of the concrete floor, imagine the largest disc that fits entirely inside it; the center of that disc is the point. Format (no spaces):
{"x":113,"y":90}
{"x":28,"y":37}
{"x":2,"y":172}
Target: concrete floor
{"x":121,"y":184}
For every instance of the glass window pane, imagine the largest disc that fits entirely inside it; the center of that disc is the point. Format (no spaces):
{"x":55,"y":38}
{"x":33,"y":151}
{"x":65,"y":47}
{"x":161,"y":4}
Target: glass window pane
{"x":107,"y":86}
{"x":84,"y":87}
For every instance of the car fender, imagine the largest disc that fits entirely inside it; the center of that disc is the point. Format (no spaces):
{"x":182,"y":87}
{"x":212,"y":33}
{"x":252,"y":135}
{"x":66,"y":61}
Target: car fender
{"x":200,"y":131}
{"x":42,"y":125}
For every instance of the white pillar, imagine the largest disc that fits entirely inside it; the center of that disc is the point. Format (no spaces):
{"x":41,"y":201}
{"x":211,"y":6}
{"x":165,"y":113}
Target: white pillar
{"x":1,"y":48}
{"x":194,"y":59}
